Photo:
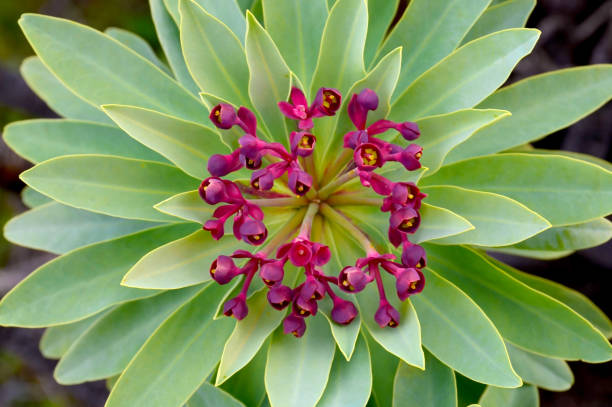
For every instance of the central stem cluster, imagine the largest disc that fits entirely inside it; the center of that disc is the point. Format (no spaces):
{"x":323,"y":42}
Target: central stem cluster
{"x":293,"y":243}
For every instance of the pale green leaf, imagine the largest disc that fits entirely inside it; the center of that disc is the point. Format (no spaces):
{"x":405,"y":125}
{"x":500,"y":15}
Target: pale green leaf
{"x":441,"y":134}
{"x":83,"y":282}
{"x":110,"y":185}
{"x":578,"y":156}
{"x":57,"y":339}
{"x":465,"y":77}
{"x":42,"y":139}
{"x":187,"y":345}
{"x":56,"y":95}
{"x":297,"y":369}
{"x":547,"y":373}
{"x":226,"y":11}
{"x":101,"y":70}
{"x":525,"y":317}
{"x":106,"y":348}
{"x":214,"y":55}
{"x":296,"y":27}
{"x":533,"y":254}
{"x":569,"y":238}
{"x":32,"y":198}
{"x":383,"y":364}
{"x":136,"y":44}
{"x":186,"y":144}
{"x":380,"y":16}
{"x":58,"y":228}
{"x":573,"y":299}
{"x":498,"y":220}
{"x":509,"y":14}
{"x":351,"y":382}
{"x":169,"y":38}
{"x":248,"y":336}
{"x":188,"y":206}
{"x":526,"y":396}
{"x":339,"y":65}
{"x":247,"y":385}
{"x":269,"y":80}
{"x":211,"y":396}
{"x":561,"y":189}
{"x":540,"y":105}
{"x":428,"y":31}
{"x":447,"y":312}
{"x":433,"y":387}
{"x":382,"y":80}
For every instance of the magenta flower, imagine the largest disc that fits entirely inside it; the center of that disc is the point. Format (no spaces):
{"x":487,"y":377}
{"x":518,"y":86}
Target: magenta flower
{"x":278,"y":169}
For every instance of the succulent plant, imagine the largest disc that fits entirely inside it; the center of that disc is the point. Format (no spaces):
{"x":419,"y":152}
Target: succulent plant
{"x":367,"y":171}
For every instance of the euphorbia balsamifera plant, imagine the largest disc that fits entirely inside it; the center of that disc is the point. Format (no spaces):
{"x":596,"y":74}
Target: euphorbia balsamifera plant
{"x":296,"y":210}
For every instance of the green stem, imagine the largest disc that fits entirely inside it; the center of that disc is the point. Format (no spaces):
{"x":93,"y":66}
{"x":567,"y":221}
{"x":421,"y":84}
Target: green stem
{"x":339,"y":163}
{"x":284,"y":233}
{"x":353,"y":199}
{"x":335,"y":216}
{"x":281,"y":202}
{"x":312,"y":210}
{"x":331,"y":187}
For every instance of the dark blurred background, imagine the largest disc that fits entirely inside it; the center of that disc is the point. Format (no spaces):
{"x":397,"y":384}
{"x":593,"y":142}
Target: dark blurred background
{"x":574,"y":32}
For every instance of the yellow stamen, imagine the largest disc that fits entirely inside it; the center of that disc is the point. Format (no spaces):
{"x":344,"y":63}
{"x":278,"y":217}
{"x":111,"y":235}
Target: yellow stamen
{"x":418,"y":155}
{"x":407,"y":223}
{"x":410,"y":196}
{"x":256,"y":237}
{"x":300,"y":188}
{"x":250,"y":162}
{"x":256,"y":184}
{"x":326,"y":104}
{"x":419,"y":265}
{"x":413,"y":285}
{"x":391,"y":323}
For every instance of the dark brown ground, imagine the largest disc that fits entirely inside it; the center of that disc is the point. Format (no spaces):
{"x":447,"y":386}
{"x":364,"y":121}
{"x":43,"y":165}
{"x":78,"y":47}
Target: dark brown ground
{"x":575,"y":32}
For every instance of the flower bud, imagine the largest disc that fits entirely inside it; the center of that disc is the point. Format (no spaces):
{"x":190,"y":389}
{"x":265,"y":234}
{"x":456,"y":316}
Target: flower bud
{"x":295,"y":325}
{"x":215,"y":227}
{"x":272,"y":273}
{"x":413,"y":255}
{"x":327,"y":102}
{"x":320,"y":254}
{"x":409,"y":281}
{"x":343,"y":312}
{"x":236,"y":307}
{"x":213,"y":190}
{"x":386,"y":315}
{"x":406,"y":220}
{"x":220,"y":165}
{"x":223,"y":269}
{"x":302,"y":143}
{"x":223,"y":116}
{"x":300,"y":253}
{"x":305,"y":308}
{"x":253,"y":232}
{"x":280,"y":296}
{"x":299,"y":181}
{"x":368,"y":157}
{"x":353,"y":279}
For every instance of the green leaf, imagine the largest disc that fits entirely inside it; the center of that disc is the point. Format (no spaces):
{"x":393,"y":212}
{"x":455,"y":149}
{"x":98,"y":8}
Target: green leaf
{"x":42,"y":139}
{"x":433,"y":387}
{"x":540,"y":105}
{"x":57,"y":339}
{"x":428,"y":31}
{"x":58,"y":228}
{"x":571,"y":154}
{"x":547,"y":373}
{"x":248,"y":336}
{"x":498,"y":220}
{"x":187,"y":345}
{"x":544,"y":183}
{"x":533,"y":254}
{"x":214,"y":55}
{"x":110,"y":185}
{"x":468,"y":391}
{"x":247,"y":385}
{"x":101,"y":70}
{"x":404,"y":341}
{"x":298,"y":368}
{"x":570,"y":238}
{"x":32,"y":198}
{"x":339,"y":65}
{"x":447,"y":312}
{"x":106,"y":348}
{"x":526,"y":396}
{"x":56,"y":95}
{"x":296,"y":27}
{"x":509,"y":14}
{"x":136,"y":44}
{"x":382,"y":79}
{"x":227,"y":12}
{"x":351,"y":382}
{"x":269,"y":80}
{"x":83,"y":282}
{"x":187,"y":205}
{"x":383,"y":363}
{"x":169,"y":38}
{"x":573,"y":299}
{"x":524,"y":317}
{"x":211,"y":396}
{"x":465,"y":77}
{"x":188,"y":145}
{"x":380,"y":16}
{"x":441,"y":134}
